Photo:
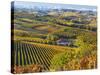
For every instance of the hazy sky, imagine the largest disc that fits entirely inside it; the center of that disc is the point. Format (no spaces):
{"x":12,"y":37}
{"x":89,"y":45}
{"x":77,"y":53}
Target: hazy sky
{"x":52,"y":5}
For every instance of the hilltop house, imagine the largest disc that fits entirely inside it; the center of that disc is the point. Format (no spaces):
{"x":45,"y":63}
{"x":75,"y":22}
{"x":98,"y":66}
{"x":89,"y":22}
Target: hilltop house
{"x":63,"y":42}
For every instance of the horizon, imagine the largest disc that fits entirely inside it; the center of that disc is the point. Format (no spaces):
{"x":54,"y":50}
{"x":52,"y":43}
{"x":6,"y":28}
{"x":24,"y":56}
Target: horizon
{"x":23,"y":4}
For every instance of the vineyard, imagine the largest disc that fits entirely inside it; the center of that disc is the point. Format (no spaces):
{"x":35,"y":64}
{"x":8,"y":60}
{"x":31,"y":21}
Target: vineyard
{"x":27,"y":53}
{"x":56,"y":39}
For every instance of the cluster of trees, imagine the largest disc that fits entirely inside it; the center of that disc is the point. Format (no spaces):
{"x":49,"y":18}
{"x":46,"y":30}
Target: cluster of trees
{"x":59,"y":60}
{"x":83,"y":57}
{"x":26,"y":69}
{"x":52,"y":37}
{"x":86,"y":43}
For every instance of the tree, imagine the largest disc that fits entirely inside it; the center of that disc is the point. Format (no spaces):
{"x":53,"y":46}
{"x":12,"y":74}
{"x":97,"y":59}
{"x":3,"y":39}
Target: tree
{"x":52,"y":37}
{"x":86,"y":38}
{"x":59,"y":60}
{"x":86,"y":44}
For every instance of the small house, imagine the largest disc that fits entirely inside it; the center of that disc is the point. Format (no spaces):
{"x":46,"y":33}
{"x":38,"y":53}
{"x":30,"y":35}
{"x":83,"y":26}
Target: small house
{"x":63,"y":42}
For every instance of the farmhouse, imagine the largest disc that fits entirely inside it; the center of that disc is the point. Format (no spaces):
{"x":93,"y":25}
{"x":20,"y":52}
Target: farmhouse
{"x":63,"y":42}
